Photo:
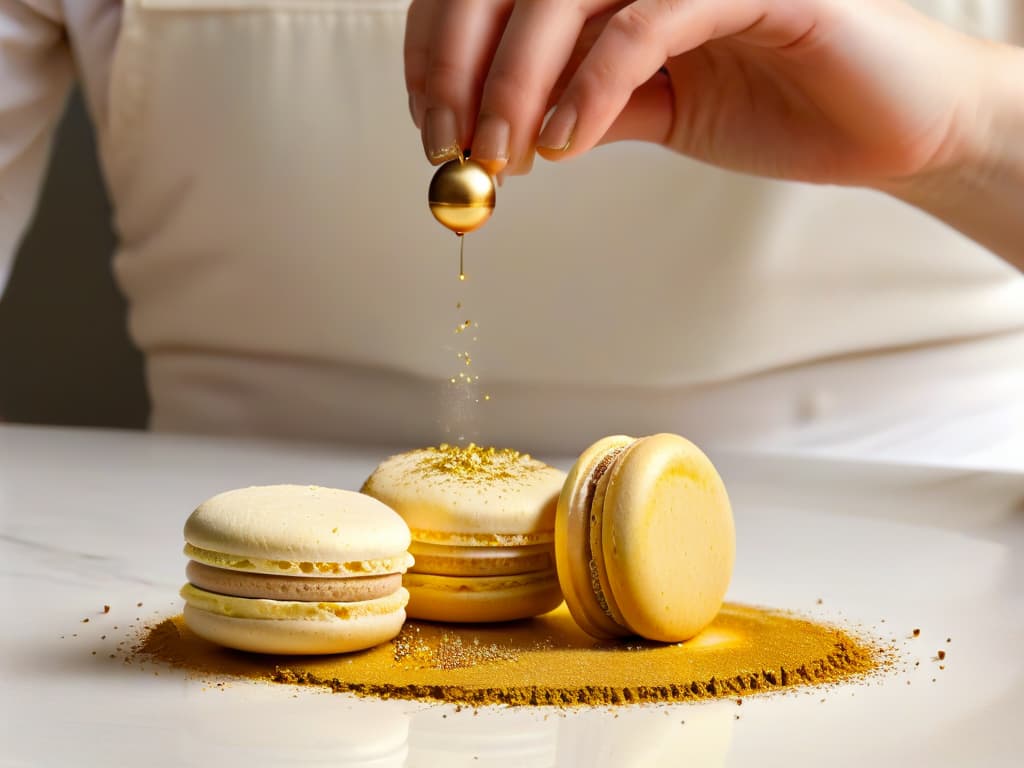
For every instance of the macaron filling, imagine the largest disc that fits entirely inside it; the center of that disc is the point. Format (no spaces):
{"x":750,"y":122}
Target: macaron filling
{"x":305,"y":589}
{"x":280,"y":610}
{"x":446,"y":538}
{"x":596,"y":486}
{"x":475,"y":561}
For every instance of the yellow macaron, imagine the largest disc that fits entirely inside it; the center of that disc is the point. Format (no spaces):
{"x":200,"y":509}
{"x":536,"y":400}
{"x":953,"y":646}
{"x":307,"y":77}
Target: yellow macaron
{"x":482,"y":524}
{"x":295,"y":569}
{"x":644,"y":538}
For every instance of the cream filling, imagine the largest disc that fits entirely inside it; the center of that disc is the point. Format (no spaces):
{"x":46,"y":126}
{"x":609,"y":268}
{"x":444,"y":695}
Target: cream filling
{"x":259,"y":608}
{"x":481,"y":561}
{"x":600,"y":470}
{"x":482,"y":539}
{"x":379,"y":566}
{"x":477,"y":583}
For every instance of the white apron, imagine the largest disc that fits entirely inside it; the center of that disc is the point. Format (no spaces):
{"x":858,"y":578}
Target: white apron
{"x":285,"y":277}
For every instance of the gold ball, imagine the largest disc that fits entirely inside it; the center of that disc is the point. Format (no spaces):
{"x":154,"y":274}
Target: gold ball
{"x":461,"y":195}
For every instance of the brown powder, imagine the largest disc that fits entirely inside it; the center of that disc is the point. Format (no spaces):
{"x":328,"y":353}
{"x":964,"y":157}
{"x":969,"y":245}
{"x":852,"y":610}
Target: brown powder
{"x":549,"y":660}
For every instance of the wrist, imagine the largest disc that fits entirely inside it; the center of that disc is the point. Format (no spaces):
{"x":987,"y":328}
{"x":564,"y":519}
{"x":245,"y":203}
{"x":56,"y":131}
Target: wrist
{"x":976,"y":182}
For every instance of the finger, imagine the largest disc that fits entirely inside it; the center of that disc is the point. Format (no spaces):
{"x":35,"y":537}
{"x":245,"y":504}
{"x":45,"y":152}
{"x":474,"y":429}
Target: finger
{"x":591,"y":31}
{"x":415,"y":52}
{"x":534,"y":49}
{"x":648,"y":115}
{"x":462,"y":36}
{"x":633,"y":46}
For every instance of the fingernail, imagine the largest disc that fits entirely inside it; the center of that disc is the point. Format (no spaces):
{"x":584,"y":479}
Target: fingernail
{"x":414,"y":109}
{"x":490,"y":143}
{"x":440,"y":138}
{"x":557,"y":134}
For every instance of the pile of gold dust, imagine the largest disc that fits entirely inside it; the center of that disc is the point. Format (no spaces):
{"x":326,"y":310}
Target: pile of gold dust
{"x":550,"y":661}
{"x":477,"y":464}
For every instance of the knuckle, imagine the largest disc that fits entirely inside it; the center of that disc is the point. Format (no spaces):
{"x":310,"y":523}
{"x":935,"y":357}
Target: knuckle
{"x":507,"y":88}
{"x":594,"y":83}
{"x":635,"y":24}
{"x":442,"y":73}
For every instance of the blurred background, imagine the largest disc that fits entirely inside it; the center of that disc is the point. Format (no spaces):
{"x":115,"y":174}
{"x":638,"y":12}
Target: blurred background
{"x":76,"y":364}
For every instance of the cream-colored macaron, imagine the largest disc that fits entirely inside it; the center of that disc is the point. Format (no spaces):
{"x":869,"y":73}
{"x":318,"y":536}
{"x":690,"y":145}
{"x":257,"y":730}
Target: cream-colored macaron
{"x":644,"y":538}
{"x":482,"y":523}
{"x":295,"y":569}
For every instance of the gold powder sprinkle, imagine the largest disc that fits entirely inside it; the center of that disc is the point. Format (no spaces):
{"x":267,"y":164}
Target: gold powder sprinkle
{"x":476,"y":463}
{"x":550,"y":661}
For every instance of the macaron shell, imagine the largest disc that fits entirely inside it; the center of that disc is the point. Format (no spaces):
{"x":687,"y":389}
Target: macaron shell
{"x":301,"y":568}
{"x":294,"y":636}
{"x":464,"y":511}
{"x":668,"y":540}
{"x":283,"y":626}
{"x":573,"y":553}
{"x":481,"y":599}
{"x":481,"y":561}
{"x":299,"y":525}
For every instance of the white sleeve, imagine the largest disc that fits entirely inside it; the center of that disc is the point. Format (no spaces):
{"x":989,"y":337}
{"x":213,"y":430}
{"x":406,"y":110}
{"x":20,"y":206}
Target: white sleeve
{"x":35,"y":74}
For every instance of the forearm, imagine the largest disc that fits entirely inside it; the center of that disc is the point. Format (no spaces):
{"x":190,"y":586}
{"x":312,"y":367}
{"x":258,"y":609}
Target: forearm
{"x":980,"y":192}
{"x":35,"y":75}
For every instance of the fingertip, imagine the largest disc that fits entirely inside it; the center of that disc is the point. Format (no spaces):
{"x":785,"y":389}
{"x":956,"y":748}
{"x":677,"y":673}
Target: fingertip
{"x":551,"y":155}
{"x":494,"y":167}
{"x":557,"y":135}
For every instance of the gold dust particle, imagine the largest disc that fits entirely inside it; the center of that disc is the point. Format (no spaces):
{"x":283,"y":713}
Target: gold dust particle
{"x":551,"y":661}
{"x":106,"y":609}
{"x":942,"y":655}
{"x":476,"y":463}
{"x":449,"y":651}
{"x":917,"y":633}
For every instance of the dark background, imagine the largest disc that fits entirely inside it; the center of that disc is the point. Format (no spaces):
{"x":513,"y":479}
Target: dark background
{"x":65,"y":355}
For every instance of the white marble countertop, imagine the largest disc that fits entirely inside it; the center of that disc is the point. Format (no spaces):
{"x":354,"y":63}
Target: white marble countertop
{"x":91,"y":518}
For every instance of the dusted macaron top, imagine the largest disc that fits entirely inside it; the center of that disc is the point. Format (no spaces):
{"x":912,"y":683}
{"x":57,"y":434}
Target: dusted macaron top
{"x":471,"y":496}
{"x":298,"y":529}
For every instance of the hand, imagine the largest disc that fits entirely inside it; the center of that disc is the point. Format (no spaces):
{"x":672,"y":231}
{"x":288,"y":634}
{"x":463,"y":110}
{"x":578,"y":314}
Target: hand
{"x":866,"y":92}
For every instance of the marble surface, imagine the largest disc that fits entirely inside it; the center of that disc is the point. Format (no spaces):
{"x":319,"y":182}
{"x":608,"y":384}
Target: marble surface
{"x":90,"y":518}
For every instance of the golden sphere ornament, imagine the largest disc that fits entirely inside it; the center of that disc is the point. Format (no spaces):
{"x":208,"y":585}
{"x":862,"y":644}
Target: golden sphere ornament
{"x":461,"y":195}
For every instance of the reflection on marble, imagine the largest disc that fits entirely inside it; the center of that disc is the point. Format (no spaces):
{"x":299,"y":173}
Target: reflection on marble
{"x":305,"y":730}
{"x":647,"y":736}
{"x":516,"y":738}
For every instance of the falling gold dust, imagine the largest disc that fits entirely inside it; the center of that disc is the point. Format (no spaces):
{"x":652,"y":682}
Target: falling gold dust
{"x":550,"y":661}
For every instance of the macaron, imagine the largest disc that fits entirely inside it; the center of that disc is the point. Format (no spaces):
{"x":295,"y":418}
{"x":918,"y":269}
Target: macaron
{"x":295,"y":569}
{"x":482,"y":524}
{"x":644,"y":538}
